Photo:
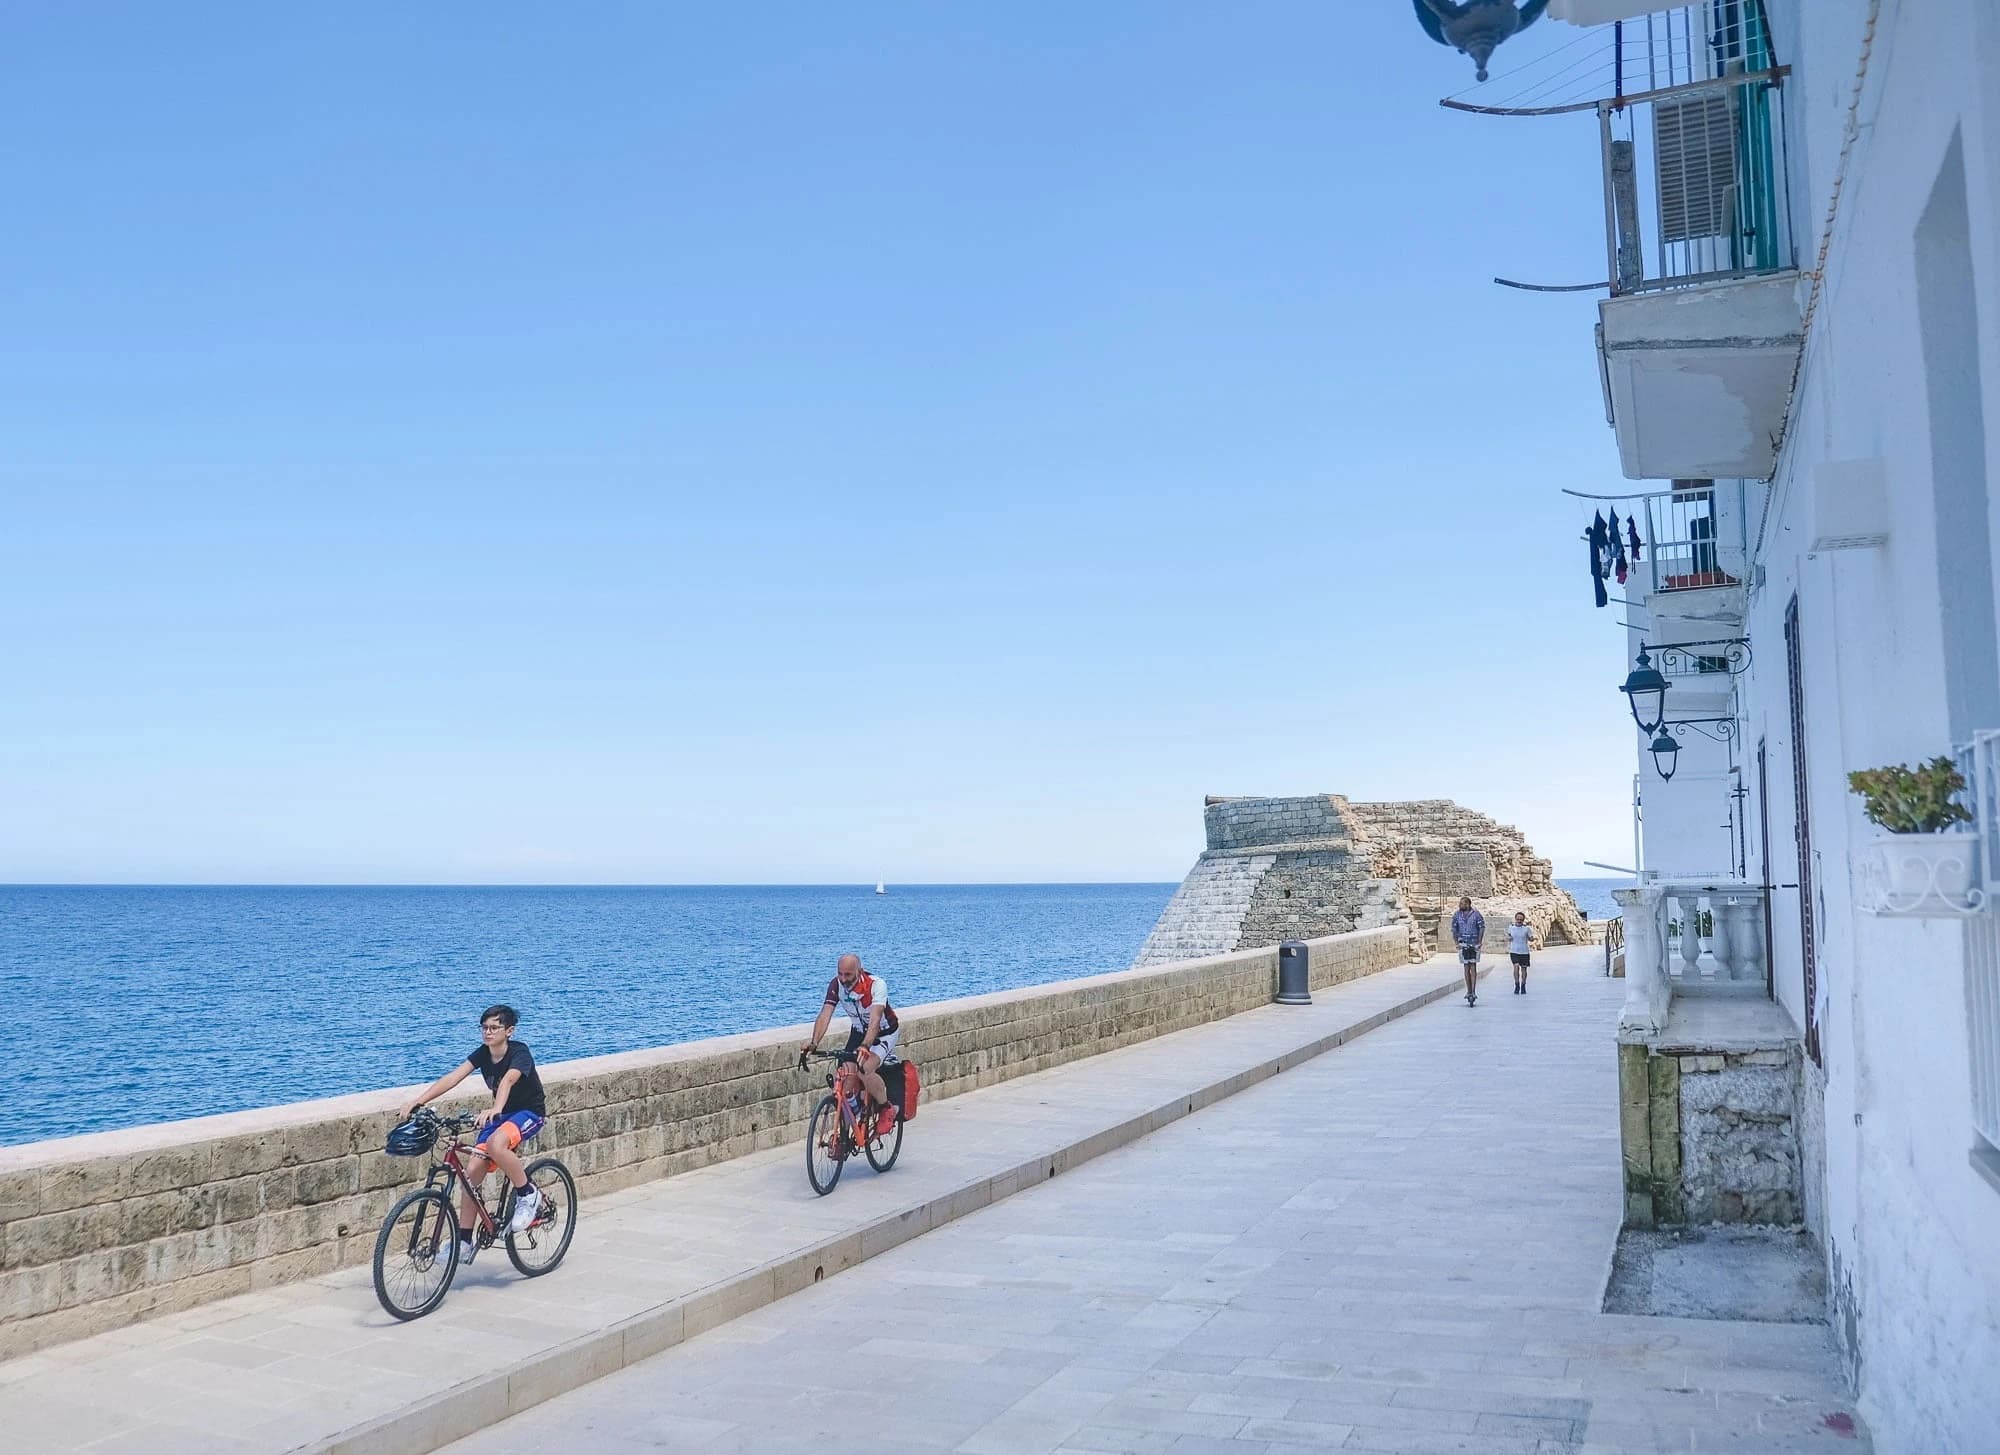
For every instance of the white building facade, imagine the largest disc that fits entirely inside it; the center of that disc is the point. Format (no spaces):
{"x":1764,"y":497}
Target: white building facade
{"x":1801,"y":363}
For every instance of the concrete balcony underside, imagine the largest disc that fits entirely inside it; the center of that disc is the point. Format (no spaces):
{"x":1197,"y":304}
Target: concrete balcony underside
{"x":1692,"y":614}
{"x":1697,"y":379}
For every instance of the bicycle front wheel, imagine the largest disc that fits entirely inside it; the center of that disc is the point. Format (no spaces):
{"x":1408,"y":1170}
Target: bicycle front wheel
{"x":883,"y":1150}
{"x":537,"y":1249}
{"x":826,"y":1146}
{"x":416,"y":1254}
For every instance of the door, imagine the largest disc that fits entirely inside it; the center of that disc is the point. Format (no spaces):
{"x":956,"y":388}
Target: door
{"x":1764,"y":860}
{"x":1802,"y":827}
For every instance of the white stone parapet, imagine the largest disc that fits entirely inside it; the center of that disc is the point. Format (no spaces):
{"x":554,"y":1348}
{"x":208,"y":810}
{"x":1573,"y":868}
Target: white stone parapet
{"x":1648,"y":990}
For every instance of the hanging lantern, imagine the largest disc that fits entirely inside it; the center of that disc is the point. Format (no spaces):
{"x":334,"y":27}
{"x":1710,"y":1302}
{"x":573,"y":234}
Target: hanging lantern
{"x":1646,"y":692}
{"x":1666,"y":753}
{"x":1476,"y":27}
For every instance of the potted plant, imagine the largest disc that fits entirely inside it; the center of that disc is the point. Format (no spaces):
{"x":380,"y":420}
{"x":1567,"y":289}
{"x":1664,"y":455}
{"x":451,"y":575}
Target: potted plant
{"x":1923,"y":863}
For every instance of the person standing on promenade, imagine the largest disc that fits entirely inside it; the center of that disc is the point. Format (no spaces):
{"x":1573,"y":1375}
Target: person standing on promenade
{"x":1520,"y":938}
{"x":1468,"y":932}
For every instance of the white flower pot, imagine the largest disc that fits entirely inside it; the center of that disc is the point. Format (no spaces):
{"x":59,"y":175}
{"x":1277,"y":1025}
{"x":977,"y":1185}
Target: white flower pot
{"x":1920,"y":874}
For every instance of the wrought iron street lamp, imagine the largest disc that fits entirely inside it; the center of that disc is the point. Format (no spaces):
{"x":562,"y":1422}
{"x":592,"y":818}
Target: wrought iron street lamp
{"x":1476,"y":27}
{"x":1666,"y":748}
{"x":1646,"y":692}
{"x":1666,"y":754}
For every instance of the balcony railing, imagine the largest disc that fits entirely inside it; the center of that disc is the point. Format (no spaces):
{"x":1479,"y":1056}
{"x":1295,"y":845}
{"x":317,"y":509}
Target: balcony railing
{"x":1695,"y":183}
{"x":1700,"y":537}
{"x":1688,"y":937}
{"x":1979,"y":761}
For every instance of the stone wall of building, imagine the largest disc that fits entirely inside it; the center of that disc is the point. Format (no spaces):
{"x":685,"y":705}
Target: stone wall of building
{"x":103,"y":1230}
{"x":1710,"y":1134}
{"x":1284,"y":868}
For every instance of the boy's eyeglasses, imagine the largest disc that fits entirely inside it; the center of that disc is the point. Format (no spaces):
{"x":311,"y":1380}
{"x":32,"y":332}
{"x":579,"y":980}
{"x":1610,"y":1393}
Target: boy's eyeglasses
{"x":491,"y":1026}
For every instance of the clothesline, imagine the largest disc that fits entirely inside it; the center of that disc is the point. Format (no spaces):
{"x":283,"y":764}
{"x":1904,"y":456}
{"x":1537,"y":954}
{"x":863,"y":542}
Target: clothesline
{"x":1608,"y":555}
{"x":1636,"y":495}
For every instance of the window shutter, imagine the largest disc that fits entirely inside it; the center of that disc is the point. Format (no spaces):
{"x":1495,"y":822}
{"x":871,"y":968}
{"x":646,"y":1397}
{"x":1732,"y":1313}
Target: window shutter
{"x":1694,"y":147}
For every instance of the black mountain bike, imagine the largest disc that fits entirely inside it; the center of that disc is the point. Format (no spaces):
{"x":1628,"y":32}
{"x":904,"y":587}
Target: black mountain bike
{"x":416,"y":1252}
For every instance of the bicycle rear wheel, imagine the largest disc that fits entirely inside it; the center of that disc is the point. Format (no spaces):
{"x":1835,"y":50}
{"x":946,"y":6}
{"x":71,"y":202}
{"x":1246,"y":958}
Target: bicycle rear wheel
{"x":416,"y":1254}
{"x":540,"y":1246}
{"x":826,"y":1146}
{"x":883,"y":1150}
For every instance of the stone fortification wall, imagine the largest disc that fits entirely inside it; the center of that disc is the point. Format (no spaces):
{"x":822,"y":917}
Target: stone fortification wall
{"x":1205,"y":916}
{"x":102,"y":1230}
{"x":1439,"y":851}
{"x":1288,"y":868}
{"x":1237,"y":824}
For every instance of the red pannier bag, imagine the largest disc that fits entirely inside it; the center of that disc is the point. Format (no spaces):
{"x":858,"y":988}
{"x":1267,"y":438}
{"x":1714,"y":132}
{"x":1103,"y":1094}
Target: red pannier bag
{"x":910,"y":1090}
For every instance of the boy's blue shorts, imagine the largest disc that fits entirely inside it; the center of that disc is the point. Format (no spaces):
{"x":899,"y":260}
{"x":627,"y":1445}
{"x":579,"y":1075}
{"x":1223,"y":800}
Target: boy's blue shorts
{"x":512,"y":1130}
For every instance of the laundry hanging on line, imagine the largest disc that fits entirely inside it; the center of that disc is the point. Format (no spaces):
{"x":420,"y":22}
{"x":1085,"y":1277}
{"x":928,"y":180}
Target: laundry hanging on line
{"x":1599,"y":541}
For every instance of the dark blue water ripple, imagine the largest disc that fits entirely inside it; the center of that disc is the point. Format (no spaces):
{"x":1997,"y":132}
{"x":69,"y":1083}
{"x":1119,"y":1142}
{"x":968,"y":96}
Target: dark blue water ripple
{"x":130,"y":1005}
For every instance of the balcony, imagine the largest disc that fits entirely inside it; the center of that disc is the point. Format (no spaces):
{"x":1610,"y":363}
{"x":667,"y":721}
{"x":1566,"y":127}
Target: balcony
{"x":1687,"y":937}
{"x":1699,"y":562}
{"x":1699,"y":336}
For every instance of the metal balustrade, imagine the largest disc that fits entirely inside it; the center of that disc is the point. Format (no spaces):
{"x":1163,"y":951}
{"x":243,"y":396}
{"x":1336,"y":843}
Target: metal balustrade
{"x":1699,"y":537}
{"x":1979,"y":760}
{"x":1717,"y":207}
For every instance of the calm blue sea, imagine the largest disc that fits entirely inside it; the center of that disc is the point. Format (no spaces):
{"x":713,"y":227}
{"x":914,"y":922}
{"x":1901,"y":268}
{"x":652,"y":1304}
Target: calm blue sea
{"x":1593,"y":896}
{"x":130,"y":1005}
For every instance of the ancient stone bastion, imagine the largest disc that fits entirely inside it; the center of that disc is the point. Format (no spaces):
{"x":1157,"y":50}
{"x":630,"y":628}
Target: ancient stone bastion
{"x":1294,"y":868}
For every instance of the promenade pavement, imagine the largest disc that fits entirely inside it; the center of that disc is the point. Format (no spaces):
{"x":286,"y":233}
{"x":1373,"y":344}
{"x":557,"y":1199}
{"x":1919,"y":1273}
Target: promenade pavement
{"x":1400,"y":1246}
{"x":318,"y":1365}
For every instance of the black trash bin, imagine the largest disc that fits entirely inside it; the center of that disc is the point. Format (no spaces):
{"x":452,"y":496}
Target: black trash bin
{"x":1294,"y":973}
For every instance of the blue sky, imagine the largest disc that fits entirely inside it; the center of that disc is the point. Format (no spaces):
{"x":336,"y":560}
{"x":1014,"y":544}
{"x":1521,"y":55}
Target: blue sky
{"x":781,"y":442}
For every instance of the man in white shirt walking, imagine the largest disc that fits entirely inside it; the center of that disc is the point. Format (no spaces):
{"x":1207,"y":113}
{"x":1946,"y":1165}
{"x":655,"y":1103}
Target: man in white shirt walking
{"x":1520,"y":936}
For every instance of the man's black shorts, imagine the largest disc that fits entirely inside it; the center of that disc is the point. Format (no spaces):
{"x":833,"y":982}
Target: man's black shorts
{"x":1521,"y":960}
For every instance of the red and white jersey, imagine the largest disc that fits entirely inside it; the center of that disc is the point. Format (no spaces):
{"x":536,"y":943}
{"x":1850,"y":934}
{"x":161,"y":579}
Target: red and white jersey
{"x":856,"y":1000}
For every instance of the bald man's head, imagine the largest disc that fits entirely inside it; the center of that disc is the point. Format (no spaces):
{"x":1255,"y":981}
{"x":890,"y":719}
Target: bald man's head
{"x":848,"y":967}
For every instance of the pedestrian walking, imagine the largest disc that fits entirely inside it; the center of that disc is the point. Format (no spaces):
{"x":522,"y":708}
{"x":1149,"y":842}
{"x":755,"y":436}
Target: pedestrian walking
{"x":1468,"y":931}
{"x":1520,"y":936}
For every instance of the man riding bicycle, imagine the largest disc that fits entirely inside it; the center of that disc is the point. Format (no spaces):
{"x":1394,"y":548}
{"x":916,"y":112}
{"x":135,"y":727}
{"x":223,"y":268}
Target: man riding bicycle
{"x":871,"y":1039}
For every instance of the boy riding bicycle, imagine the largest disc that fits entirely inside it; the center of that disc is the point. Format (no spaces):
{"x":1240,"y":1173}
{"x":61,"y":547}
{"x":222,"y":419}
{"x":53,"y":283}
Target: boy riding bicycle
{"x":517,"y":1113}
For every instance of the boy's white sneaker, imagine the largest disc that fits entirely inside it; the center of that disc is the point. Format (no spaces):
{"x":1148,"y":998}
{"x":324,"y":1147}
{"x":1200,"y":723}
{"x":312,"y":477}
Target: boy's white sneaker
{"x":527,"y":1207}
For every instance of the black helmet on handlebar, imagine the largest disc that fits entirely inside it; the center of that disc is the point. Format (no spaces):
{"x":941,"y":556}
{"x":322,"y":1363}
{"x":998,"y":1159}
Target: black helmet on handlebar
{"x":414,"y":1137}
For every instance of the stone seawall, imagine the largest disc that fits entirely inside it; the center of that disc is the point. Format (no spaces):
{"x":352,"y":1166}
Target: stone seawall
{"x":103,"y":1230}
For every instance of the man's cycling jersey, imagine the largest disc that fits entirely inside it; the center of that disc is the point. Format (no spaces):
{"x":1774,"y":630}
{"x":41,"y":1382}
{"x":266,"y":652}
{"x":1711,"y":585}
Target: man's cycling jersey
{"x":856,"y":1000}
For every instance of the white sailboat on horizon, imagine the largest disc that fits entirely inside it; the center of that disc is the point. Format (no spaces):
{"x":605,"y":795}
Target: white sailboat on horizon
{"x":880,"y":887}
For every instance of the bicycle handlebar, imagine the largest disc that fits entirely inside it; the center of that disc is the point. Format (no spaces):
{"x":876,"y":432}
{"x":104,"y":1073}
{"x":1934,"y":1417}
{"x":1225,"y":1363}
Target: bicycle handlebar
{"x":464,"y":1121}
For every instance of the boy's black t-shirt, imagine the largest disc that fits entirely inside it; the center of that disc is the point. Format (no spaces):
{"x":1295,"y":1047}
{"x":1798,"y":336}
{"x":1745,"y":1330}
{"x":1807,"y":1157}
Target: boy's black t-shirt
{"x":526,"y":1094}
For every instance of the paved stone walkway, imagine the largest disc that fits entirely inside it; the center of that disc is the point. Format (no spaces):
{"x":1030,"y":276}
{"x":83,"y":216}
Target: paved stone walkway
{"x":319,"y":1360}
{"x":1399,"y":1246}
